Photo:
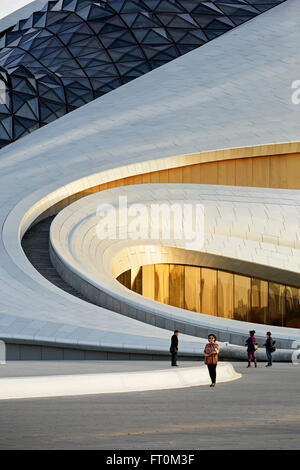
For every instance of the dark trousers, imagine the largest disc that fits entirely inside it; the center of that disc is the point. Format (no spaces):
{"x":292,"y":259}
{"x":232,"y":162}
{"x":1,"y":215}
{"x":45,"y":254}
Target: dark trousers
{"x":212,"y":372}
{"x":174,"y":358}
{"x":269,"y":356}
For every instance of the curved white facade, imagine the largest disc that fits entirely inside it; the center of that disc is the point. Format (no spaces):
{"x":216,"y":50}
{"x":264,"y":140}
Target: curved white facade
{"x":7,"y":7}
{"x":235,"y":91}
{"x":13,"y":11}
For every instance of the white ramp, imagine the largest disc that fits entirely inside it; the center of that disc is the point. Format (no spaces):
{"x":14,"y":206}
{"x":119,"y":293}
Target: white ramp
{"x":88,"y":384}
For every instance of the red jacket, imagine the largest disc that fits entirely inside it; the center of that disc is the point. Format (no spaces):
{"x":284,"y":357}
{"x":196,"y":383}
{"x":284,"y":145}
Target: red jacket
{"x":213,"y":355}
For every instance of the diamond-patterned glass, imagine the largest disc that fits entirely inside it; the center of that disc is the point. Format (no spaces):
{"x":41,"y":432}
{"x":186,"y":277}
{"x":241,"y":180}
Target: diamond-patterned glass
{"x":73,"y":51}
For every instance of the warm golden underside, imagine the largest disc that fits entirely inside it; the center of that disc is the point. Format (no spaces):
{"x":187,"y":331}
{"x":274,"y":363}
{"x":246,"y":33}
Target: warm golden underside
{"x":217,"y":292}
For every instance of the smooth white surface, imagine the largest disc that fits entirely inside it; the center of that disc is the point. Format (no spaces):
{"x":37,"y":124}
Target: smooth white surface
{"x":234,"y":91}
{"x":256,"y":225}
{"x":9,"y":6}
{"x":88,"y":384}
{"x":12,"y":11}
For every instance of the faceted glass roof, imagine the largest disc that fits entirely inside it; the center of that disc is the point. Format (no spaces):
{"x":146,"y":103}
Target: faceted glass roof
{"x":74,"y":51}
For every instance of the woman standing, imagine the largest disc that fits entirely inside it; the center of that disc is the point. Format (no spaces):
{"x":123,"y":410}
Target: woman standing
{"x":211,"y":352}
{"x":250,"y":343}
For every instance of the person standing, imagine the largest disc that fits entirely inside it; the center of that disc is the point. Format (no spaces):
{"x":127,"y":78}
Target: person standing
{"x":250,"y":343}
{"x":211,"y":352}
{"x":174,"y":348}
{"x":269,"y":345}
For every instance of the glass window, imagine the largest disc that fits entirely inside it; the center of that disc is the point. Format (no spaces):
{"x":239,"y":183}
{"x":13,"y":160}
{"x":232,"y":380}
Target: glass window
{"x":136,"y":280}
{"x":225,"y":294}
{"x":148,"y":278}
{"x":162,"y":283}
{"x":177,"y":285}
{"x":292,"y":307}
{"x":216,"y":292}
{"x":125,"y":278}
{"x":276,"y":304}
{"x":192,"y":280}
{"x":242,"y":294}
{"x":259,"y":301}
{"x":208,"y":291}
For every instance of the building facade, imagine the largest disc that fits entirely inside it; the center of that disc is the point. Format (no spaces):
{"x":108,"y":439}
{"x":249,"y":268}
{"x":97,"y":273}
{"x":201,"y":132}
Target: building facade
{"x":149,"y":100}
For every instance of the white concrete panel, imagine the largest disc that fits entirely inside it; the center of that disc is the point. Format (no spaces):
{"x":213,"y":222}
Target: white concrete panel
{"x":9,"y":6}
{"x":234,"y":91}
{"x":12,"y":11}
{"x":91,"y":384}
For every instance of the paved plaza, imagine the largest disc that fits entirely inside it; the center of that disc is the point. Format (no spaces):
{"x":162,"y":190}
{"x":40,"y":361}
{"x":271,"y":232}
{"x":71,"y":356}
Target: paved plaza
{"x":258,"y":411}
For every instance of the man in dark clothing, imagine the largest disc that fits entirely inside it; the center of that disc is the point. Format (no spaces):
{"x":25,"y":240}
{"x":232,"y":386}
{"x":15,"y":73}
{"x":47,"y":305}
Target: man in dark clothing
{"x":269,"y":345}
{"x":174,"y":348}
{"x":250,"y":343}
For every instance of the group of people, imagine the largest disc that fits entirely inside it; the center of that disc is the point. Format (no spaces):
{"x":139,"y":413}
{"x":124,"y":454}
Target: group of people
{"x":252,"y":347}
{"x":211,"y":352}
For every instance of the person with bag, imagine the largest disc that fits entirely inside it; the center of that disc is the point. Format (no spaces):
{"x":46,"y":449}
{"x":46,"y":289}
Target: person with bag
{"x":270,"y":348}
{"x":174,"y":348}
{"x":251,"y":348}
{"x":211,"y":352}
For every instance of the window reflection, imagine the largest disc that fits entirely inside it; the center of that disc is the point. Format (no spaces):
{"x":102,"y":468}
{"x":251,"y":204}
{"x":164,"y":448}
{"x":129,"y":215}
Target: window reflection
{"x":259,"y":301}
{"x":208,"y":291}
{"x":125,"y":278}
{"x":276,"y":304}
{"x":136,"y":280}
{"x":176,"y":283}
{"x":225,"y":294}
{"x":242,"y":291}
{"x":292,"y":307}
{"x":162,"y":278}
{"x":217,"y":292}
{"x":192,"y":279}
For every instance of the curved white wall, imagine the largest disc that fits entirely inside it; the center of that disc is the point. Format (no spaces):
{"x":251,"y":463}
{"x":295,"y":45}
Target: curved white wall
{"x":239,"y":223}
{"x":233,"y":92}
{"x":12,"y":11}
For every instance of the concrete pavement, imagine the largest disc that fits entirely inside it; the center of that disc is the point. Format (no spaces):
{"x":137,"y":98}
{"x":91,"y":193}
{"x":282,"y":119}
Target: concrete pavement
{"x":259,"y":411}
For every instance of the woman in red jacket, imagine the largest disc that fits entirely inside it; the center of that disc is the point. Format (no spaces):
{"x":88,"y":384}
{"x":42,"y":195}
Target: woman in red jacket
{"x":211,"y":352}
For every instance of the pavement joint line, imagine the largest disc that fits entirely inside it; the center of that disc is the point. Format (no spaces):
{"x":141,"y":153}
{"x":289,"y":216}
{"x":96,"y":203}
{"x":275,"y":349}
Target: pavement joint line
{"x":179,"y":428}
